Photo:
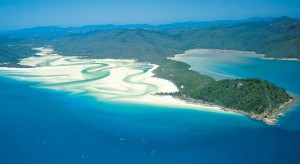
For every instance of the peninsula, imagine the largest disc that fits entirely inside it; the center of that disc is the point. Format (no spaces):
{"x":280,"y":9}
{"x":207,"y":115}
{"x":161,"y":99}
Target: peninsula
{"x":256,"y":98}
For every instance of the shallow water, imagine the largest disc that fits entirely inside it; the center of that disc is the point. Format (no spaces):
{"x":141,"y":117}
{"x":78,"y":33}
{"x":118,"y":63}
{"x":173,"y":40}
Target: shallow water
{"x":43,"y":126}
{"x":237,"y":64}
{"x":115,"y":80}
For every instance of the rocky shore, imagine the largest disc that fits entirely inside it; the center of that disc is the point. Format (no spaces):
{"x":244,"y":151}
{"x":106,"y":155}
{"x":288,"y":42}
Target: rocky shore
{"x":269,"y":117}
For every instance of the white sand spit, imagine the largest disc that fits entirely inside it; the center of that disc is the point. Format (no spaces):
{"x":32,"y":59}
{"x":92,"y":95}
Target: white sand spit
{"x":105,"y":79}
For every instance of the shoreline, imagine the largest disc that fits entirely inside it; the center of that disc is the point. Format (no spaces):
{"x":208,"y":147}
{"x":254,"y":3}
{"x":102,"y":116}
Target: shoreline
{"x":126,"y":82}
{"x":154,"y":99}
{"x":267,"y":118}
{"x":105,"y":79}
{"x":270,"y":118}
{"x":287,"y":59}
{"x":252,"y":53}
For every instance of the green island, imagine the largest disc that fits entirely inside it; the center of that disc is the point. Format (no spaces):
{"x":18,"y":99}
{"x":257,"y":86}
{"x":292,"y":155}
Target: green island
{"x":259,"y":99}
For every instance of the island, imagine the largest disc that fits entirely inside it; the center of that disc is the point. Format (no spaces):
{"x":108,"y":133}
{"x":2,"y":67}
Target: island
{"x":256,"y":98}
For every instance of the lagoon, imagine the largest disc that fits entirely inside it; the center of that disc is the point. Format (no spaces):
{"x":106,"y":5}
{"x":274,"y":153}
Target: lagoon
{"x":38,"y":124}
{"x":222,"y":64}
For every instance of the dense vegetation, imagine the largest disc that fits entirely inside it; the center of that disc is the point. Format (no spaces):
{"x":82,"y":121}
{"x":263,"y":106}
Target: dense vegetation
{"x":188,"y":81}
{"x":250,"y":95}
{"x":277,"y":38}
{"x":140,"y":44}
{"x":10,"y":54}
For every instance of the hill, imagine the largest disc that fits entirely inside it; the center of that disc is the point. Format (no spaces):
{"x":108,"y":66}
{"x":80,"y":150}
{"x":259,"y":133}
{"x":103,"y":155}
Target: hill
{"x":278,"y":38}
{"x":131,"y":43}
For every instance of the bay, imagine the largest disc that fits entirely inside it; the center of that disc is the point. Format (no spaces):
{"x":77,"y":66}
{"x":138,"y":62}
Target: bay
{"x":43,"y":126}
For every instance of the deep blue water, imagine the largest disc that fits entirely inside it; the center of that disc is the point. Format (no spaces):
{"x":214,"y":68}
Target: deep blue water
{"x":42,"y":126}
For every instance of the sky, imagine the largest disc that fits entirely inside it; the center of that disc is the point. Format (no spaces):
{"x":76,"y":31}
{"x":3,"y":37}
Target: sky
{"x":16,"y":14}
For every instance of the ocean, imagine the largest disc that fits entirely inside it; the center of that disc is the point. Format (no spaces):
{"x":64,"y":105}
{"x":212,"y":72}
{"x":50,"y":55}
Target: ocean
{"x":44,"y":126}
{"x":238,"y":64}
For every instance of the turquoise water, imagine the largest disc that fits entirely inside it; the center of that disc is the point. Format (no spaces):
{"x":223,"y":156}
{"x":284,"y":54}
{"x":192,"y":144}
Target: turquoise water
{"x":237,"y":64}
{"x":43,"y":126}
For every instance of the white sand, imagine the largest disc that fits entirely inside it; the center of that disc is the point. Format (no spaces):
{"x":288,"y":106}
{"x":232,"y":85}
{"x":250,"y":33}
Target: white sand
{"x":105,"y":79}
{"x":227,"y":52}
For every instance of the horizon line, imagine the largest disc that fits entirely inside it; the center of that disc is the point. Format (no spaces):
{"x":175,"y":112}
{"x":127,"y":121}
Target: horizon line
{"x":150,"y":24}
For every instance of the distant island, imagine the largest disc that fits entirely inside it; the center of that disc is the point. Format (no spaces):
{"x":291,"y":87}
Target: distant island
{"x":276,"y":38}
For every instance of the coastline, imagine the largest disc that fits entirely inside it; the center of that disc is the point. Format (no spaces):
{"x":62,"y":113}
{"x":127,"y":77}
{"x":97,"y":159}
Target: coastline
{"x":251,"y":53}
{"x":270,"y":118}
{"x":117,"y":80}
{"x":287,"y":59}
{"x":114,"y":80}
{"x":267,"y":118}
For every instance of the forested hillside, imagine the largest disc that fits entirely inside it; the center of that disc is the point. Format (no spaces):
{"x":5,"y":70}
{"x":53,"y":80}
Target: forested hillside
{"x":11,"y":51}
{"x":132,"y":43}
{"x":279,"y":38}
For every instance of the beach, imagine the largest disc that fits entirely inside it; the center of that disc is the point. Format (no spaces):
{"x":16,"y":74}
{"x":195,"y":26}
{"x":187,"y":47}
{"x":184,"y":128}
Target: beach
{"x":227,"y":53}
{"x":232,"y":64}
{"x":115,"y":80}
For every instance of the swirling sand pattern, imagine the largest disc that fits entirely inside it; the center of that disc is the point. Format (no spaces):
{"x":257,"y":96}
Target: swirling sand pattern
{"x":104,"y":79}
{"x":86,"y":76}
